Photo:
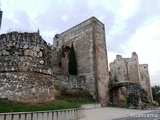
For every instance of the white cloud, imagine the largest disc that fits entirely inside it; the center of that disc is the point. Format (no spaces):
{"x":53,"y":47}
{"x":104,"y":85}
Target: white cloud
{"x":12,"y":2}
{"x":32,"y":14}
{"x":66,"y":3}
{"x":108,"y":5}
{"x":65,"y":18}
{"x":3,"y":4}
{"x":146,"y":43}
{"x":128,"y":8}
{"x":117,"y":28}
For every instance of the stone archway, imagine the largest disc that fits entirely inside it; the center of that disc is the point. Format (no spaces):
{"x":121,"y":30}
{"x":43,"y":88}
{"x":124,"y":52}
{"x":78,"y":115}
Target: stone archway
{"x":137,"y":96}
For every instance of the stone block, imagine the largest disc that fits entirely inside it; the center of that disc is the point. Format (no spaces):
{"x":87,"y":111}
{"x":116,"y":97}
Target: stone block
{"x":40,"y":54}
{"x":15,"y":117}
{"x":40,"y":116}
{"x":28,"y":52}
{"x":35,"y":54}
{"x":45,"y":116}
{"x":9,"y":117}
{"x":1,"y":117}
{"x":37,"y":48}
{"x":35,"y":116}
{"x":4,"y":52}
{"x":25,"y":47}
{"x":50,"y":116}
{"x":41,"y":61}
{"x":59,"y":115}
{"x":55,"y":115}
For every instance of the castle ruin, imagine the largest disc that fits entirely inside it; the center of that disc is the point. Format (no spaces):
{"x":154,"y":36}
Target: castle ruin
{"x":29,"y":66}
{"x":129,"y":70}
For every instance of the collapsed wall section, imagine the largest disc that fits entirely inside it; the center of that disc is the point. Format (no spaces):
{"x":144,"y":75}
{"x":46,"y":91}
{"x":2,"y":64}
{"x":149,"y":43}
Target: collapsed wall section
{"x":25,"y":72}
{"x":128,"y":69}
{"x":125,"y":69}
{"x":119,"y":69}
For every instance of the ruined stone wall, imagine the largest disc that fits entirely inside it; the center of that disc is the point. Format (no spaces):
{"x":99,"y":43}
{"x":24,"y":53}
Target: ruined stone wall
{"x":128,"y":69}
{"x":119,"y":69}
{"x":88,"y":39}
{"x":145,"y":80}
{"x":26,"y":87}
{"x":24,"y":52}
{"x":125,"y":69}
{"x":134,"y":74}
{"x":71,"y":80}
{"x":25,"y":67}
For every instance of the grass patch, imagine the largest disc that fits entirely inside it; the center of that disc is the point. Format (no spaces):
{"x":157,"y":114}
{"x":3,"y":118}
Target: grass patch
{"x":66,"y":97}
{"x":57,"y":104}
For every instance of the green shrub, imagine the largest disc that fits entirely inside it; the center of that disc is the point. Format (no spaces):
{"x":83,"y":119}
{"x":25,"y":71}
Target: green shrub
{"x":154,"y":103}
{"x":156,"y":93}
{"x":72,"y":64}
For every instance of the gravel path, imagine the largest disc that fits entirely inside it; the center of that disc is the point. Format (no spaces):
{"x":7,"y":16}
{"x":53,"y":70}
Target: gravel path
{"x":110,"y":113}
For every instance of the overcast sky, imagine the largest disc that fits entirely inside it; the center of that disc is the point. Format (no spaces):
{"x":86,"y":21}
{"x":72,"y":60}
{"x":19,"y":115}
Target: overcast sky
{"x":131,"y":25}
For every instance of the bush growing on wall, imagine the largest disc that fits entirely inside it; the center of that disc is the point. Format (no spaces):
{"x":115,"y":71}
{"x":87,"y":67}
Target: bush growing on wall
{"x":72,"y":64}
{"x":156,"y":93}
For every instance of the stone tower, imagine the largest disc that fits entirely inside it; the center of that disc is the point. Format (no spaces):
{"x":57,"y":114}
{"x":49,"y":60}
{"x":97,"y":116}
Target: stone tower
{"x":125,"y":69}
{"x":89,"y":42}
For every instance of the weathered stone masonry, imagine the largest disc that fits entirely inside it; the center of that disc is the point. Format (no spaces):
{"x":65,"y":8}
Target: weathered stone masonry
{"x":29,"y":67}
{"x":70,"y":80}
{"x":25,"y":68}
{"x":145,"y":79}
{"x":129,"y":69}
{"x":88,"y":38}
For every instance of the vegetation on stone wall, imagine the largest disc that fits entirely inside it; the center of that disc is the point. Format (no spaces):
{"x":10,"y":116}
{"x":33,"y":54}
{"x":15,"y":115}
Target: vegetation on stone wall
{"x":64,"y":102}
{"x":72,"y":64}
{"x":156,"y":93}
{"x":137,"y":97}
{"x":66,"y":97}
{"x":63,"y":90}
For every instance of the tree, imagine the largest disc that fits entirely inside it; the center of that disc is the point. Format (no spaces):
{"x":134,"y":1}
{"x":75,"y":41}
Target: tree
{"x":72,"y":64}
{"x":156,"y":93}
